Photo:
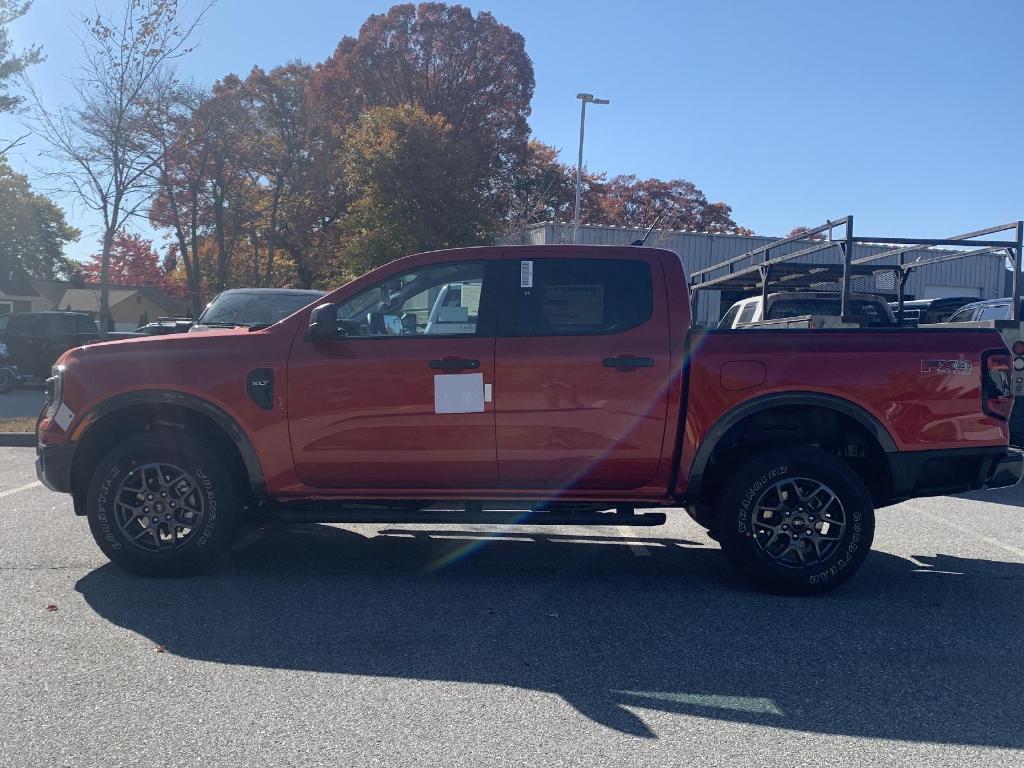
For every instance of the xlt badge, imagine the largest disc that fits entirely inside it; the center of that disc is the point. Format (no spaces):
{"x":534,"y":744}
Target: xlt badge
{"x":260,"y":387}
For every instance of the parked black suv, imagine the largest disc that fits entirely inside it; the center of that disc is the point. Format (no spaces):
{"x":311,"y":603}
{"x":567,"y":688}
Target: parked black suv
{"x":35,"y":340}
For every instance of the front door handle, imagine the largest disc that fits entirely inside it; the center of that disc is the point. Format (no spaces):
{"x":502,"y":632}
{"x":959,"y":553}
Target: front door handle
{"x":628,"y":362}
{"x":453,"y":364}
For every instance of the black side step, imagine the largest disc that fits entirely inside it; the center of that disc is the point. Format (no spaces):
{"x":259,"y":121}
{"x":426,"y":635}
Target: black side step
{"x":323,"y":514}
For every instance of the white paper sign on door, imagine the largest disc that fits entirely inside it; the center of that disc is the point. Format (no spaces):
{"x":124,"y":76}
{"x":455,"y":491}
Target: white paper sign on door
{"x":459,"y":393}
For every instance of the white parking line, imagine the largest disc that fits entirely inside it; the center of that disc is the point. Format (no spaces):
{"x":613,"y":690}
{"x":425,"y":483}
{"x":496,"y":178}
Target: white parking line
{"x":967,"y":531}
{"x":13,"y":491}
{"x":635,"y":547}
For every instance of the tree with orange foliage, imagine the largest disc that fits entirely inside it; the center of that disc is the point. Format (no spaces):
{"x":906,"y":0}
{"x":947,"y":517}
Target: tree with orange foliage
{"x":471,"y":71}
{"x":626,"y":201}
{"x":132,"y":262}
{"x":411,"y":187}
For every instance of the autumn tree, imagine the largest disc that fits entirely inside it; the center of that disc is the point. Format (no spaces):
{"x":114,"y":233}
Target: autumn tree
{"x":203,"y":188}
{"x":544,"y":189}
{"x":795,"y":231}
{"x":180,"y":140}
{"x":227,"y":183}
{"x":314,"y":211}
{"x":102,"y":144}
{"x":410,"y":182}
{"x":471,"y":71}
{"x":132,"y":262}
{"x":277,"y":146}
{"x":627,"y":201}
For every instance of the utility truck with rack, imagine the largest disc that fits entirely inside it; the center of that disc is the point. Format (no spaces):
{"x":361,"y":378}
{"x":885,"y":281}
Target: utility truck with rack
{"x":572,"y":392}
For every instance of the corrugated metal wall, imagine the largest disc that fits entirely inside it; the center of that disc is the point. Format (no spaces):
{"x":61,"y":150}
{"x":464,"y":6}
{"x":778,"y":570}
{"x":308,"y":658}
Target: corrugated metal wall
{"x":985,"y":274}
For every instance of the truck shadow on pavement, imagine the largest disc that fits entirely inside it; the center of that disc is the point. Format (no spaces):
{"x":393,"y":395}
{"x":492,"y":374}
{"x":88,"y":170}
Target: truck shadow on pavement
{"x":923,"y":649}
{"x":1011,"y":497}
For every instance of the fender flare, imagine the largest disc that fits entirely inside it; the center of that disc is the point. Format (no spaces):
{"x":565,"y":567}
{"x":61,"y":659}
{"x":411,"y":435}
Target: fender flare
{"x":215,"y":413}
{"x":765,"y":402}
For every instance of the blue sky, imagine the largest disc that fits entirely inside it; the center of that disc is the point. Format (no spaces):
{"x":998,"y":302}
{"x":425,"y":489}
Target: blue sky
{"x":791,"y":112}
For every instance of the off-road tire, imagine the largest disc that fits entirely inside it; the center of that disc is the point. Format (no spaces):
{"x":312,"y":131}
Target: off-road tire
{"x":130,"y":463}
{"x":820,"y":555}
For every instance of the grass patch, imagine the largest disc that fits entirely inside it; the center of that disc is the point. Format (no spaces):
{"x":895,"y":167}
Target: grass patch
{"x":20,"y":424}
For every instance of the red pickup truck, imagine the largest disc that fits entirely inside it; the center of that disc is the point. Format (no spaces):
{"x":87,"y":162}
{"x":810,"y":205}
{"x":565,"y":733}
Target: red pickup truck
{"x":537,"y":384}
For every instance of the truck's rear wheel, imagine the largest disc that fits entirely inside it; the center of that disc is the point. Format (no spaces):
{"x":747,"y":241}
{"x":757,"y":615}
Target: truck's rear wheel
{"x":162,"y":504}
{"x":796,"y":521}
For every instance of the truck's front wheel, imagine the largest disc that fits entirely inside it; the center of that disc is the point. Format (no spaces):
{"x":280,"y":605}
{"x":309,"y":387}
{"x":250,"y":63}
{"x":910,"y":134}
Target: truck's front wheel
{"x":162,"y":504}
{"x":796,"y":521}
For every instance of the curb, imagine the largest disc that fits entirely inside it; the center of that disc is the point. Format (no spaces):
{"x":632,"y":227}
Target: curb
{"x":17,"y":440}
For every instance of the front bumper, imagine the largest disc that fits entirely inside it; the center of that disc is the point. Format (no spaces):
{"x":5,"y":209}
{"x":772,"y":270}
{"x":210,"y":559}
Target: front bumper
{"x":53,"y":466}
{"x":945,"y":472}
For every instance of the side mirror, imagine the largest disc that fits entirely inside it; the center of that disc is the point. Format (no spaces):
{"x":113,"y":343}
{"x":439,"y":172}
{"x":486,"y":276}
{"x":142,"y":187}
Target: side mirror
{"x":323,"y":323}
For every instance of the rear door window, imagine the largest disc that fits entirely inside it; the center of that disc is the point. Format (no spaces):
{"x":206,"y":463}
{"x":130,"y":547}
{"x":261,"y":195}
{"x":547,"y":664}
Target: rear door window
{"x":748,"y":313}
{"x":994,"y":312}
{"x":57,"y":325}
{"x":578,"y":297}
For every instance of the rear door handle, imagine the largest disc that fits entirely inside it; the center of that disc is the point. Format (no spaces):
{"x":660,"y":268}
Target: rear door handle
{"x":628,"y":362}
{"x":453,"y":364}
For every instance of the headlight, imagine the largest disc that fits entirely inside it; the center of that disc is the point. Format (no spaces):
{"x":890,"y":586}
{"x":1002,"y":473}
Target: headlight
{"x":55,"y":389}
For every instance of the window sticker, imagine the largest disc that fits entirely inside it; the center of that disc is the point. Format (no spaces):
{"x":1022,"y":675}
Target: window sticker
{"x":526,"y":274}
{"x":574,"y":305}
{"x":459,"y":393}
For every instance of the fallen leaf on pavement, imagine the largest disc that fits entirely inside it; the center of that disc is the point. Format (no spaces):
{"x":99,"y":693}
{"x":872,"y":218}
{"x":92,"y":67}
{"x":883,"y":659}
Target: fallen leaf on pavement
{"x":160,"y":649}
{"x":51,"y":607}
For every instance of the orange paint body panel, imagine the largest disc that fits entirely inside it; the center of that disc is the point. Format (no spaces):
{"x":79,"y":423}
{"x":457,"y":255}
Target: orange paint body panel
{"x":357,"y":418}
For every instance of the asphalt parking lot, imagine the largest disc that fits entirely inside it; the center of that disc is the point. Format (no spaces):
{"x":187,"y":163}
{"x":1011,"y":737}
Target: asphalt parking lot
{"x":456,"y":645}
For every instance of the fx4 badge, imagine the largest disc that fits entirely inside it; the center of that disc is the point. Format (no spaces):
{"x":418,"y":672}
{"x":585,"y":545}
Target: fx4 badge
{"x":947,"y":367}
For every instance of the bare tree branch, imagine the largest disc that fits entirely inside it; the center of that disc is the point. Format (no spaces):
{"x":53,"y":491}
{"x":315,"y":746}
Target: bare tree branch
{"x":104,"y":146}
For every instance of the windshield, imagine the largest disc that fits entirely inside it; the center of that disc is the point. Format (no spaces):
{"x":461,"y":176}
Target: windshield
{"x":796,"y":306}
{"x":252,"y":308}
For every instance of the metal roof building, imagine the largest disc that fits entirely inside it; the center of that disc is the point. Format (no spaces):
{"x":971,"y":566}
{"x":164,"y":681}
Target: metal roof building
{"x":981,"y":276}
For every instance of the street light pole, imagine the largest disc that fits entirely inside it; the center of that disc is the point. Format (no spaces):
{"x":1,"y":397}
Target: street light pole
{"x":584,"y":98}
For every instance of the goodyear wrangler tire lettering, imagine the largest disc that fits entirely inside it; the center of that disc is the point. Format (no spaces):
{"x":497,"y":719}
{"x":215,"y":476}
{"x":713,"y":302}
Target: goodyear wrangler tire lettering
{"x":796,"y":521}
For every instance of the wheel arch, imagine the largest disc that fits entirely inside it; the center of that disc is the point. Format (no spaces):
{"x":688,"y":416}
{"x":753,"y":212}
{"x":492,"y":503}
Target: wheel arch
{"x":123,"y":414}
{"x":745,"y":412}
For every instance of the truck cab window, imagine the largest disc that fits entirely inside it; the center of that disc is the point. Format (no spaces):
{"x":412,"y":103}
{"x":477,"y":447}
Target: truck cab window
{"x":730,"y":316}
{"x":570,"y":297}
{"x":995,"y":312}
{"x":748,"y":312}
{"x":965,"y":315}
{"x":439,"y":300}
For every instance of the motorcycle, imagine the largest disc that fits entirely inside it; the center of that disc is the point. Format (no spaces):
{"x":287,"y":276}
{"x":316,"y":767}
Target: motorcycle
{"x":9,"y":377}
